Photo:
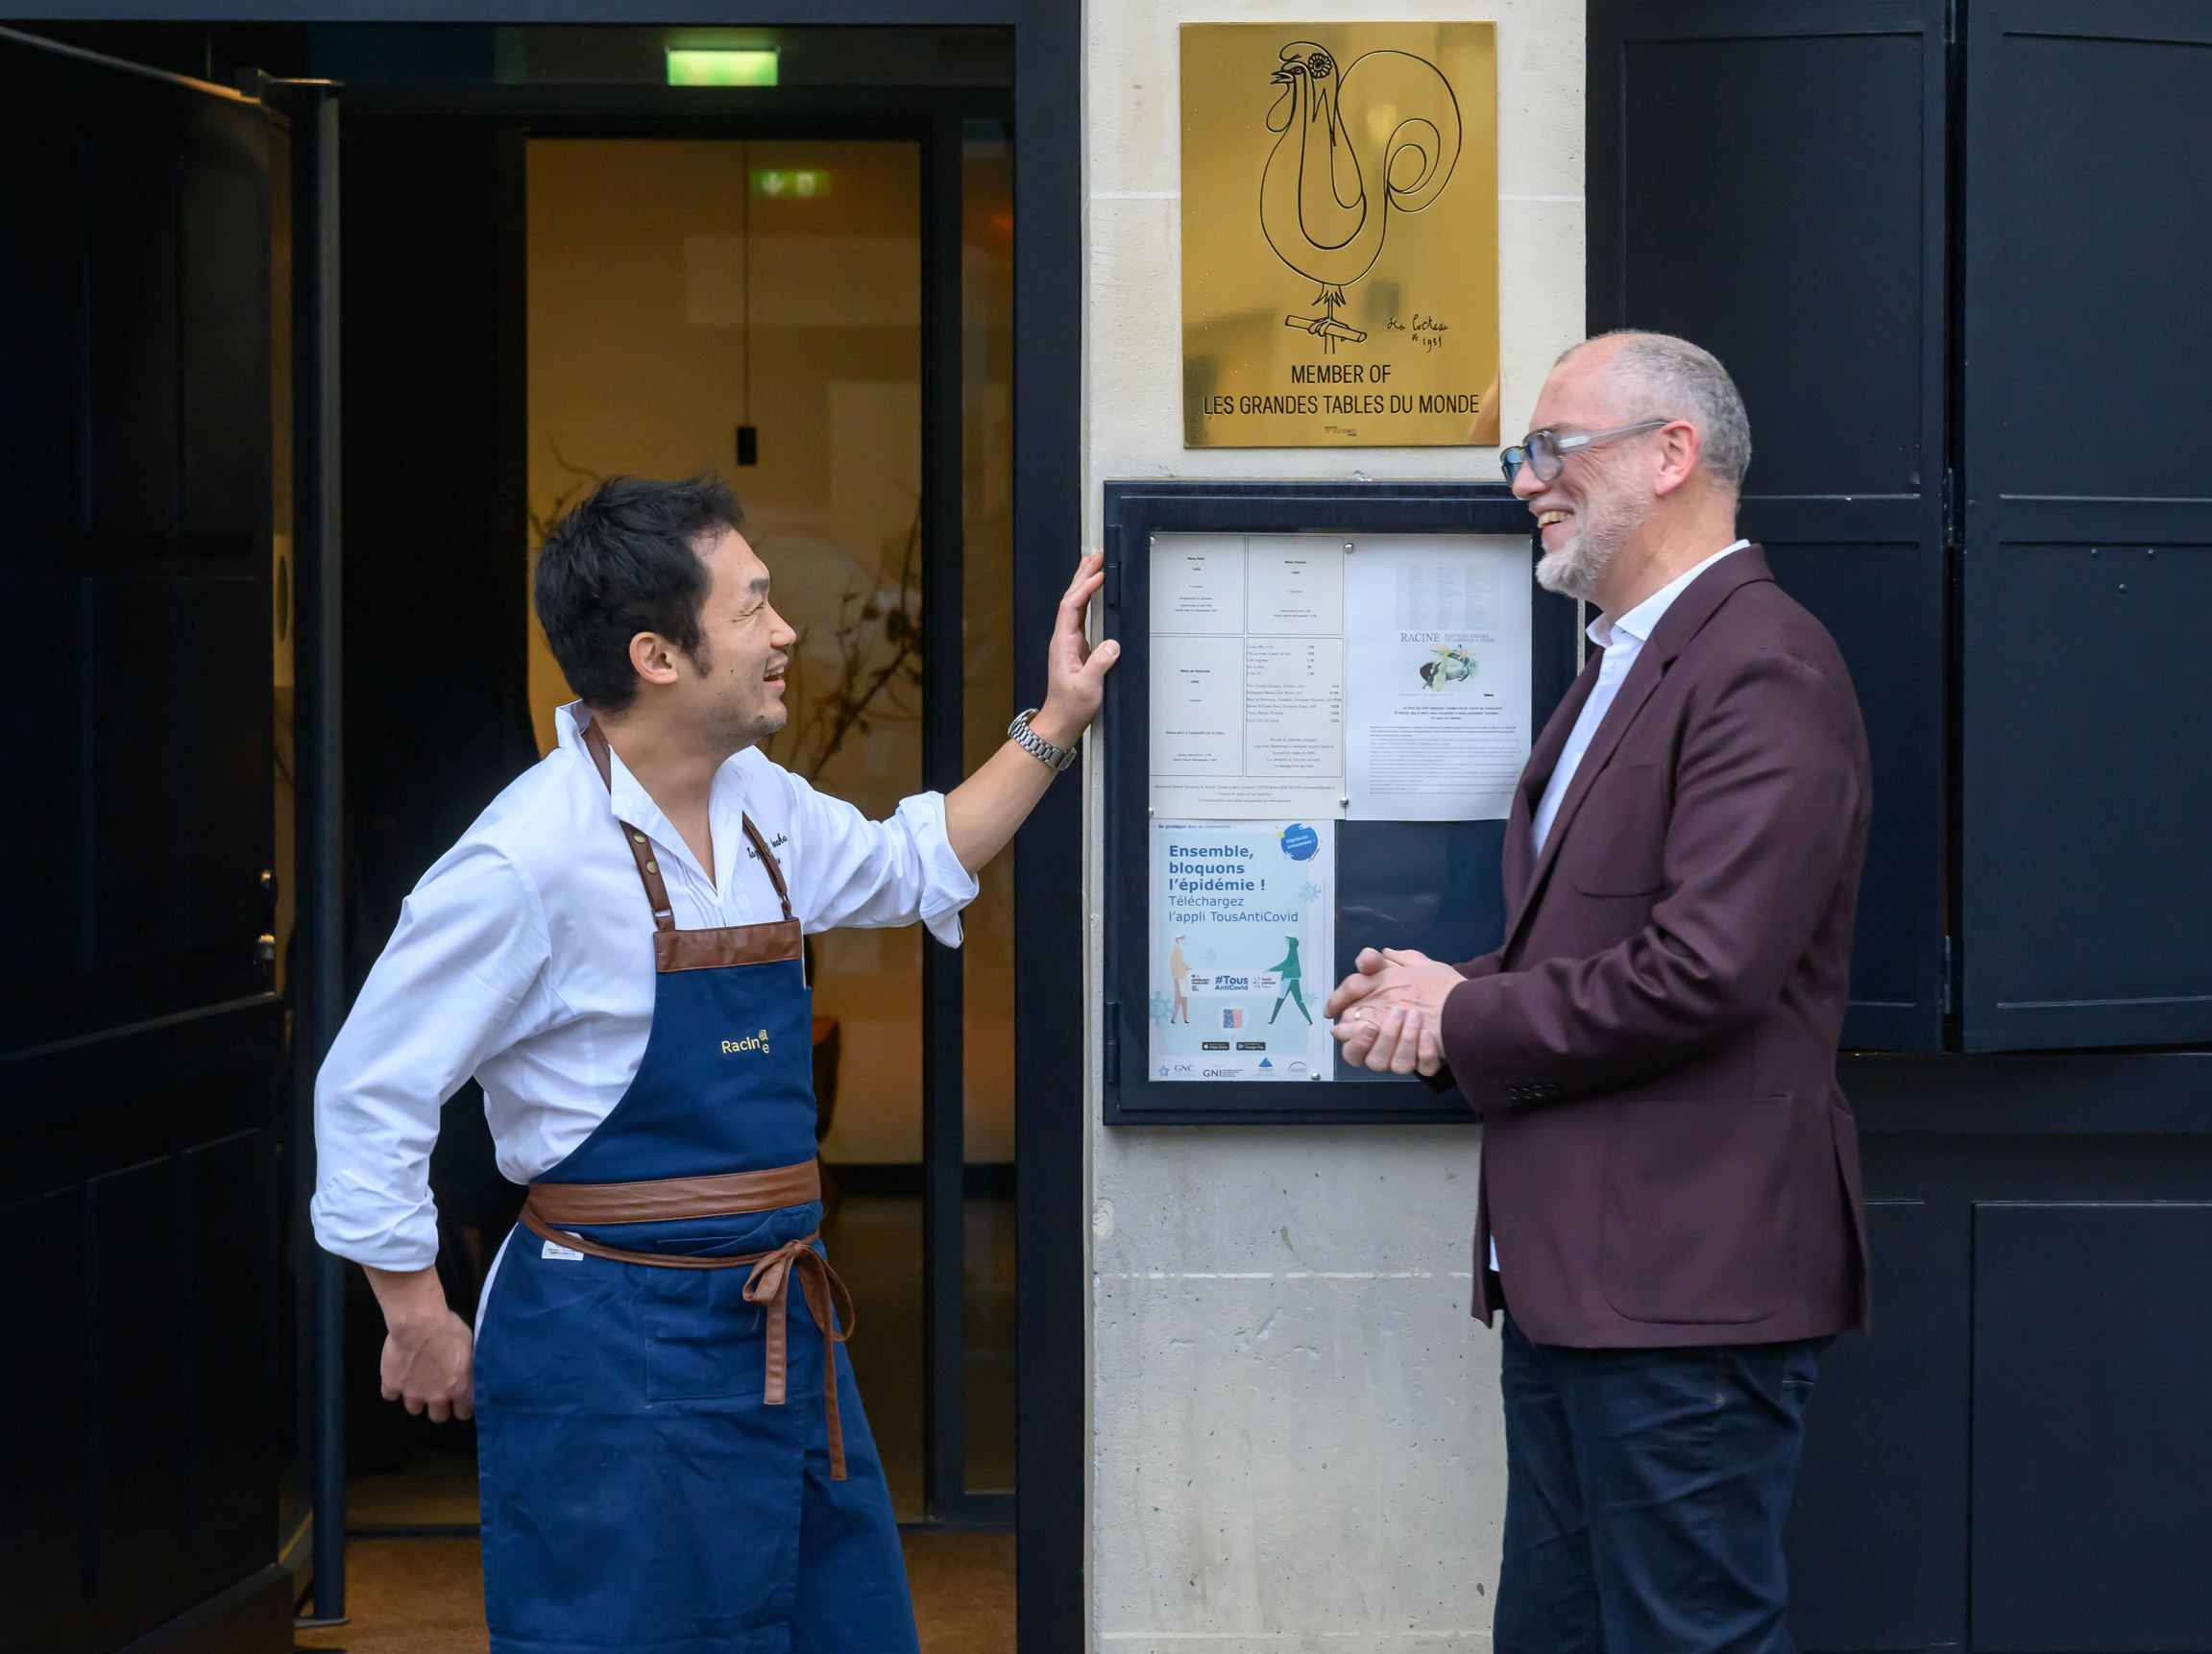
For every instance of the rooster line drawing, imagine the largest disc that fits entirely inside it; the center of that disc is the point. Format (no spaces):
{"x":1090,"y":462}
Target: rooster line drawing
{"x":1355,"y":148}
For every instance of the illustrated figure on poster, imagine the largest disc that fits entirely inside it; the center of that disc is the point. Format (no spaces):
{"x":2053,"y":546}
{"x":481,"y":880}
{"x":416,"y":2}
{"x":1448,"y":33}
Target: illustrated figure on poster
{"x":1179,"y":967}
{"x":1337,"y":173}
{"x":1288,"y":970}
{"x":1452,"y":664}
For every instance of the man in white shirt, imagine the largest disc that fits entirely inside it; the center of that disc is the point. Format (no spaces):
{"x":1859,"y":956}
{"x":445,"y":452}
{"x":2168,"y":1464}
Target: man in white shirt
{"x":614,"y":951}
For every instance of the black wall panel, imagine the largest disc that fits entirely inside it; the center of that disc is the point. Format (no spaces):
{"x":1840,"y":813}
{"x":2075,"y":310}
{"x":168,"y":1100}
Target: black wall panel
{"x":2088,"y":523}
{"x":42,"y":1471}
{"x":141,"y":1420}
{"x":1883,"y":1493}
{"x":2092,"y":1432}
{"x":2089,"y":883}
{"x":1891,"y":982}
{"x":230,"y":1355}
{"x":1769,"y":180}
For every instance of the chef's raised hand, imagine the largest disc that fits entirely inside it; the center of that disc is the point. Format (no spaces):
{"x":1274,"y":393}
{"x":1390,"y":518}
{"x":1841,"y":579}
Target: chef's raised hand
{"x":983,"y":812}
{"x":1075,"y":673}
{"x":429,"y":1352}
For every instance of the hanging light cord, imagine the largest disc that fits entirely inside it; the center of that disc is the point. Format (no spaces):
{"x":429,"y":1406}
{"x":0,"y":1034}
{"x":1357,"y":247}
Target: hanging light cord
{"x":746,"y":290}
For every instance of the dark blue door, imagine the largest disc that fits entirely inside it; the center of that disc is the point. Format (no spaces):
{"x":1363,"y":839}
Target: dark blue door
{"x":2087,"y":558}
{"x":1769,"y":180}
{"x":139,"y":1035}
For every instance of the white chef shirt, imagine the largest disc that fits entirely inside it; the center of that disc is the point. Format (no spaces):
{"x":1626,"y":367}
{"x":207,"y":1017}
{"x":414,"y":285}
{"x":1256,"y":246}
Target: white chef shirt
{"x":1621,"y":640}
{"x":526,"y":957}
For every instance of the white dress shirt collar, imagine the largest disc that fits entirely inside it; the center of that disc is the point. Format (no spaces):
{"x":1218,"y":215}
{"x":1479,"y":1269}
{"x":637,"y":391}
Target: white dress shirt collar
{"x":627,"y":799}
{"x":1640,"y":621}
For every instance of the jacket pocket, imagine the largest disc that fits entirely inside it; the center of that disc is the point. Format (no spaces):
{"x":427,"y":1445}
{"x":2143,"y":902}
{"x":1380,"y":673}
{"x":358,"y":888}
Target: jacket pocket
{"x":1617,"y":844}
{"x":1697,"y":1228}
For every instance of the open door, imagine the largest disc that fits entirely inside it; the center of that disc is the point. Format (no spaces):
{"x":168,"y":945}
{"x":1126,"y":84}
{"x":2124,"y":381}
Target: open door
{"x":141,"y":1036}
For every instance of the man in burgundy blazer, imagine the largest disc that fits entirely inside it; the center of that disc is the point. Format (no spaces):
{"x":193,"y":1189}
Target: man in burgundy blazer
{"x":1669,"y":1216}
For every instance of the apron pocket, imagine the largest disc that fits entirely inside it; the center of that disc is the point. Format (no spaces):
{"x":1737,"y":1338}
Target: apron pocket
{"x":703,"y":1341}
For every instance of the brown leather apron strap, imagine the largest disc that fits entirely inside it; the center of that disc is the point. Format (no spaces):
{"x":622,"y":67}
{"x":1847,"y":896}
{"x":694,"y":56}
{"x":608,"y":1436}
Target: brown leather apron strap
{"x":641,"y":847}
{"x":769,"y":861}
{"x":724,"y":1195}
{"x":832,"y":1308}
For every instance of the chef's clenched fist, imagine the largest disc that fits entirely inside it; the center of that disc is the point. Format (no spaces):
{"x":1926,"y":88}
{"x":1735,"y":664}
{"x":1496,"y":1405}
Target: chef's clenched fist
{"x":429,"y":1352}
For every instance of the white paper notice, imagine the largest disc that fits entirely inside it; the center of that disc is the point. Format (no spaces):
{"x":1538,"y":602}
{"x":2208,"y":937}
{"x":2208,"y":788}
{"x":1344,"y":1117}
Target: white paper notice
{"x":1437,"y":660}
{"x":1243,"y":918}
{"x":1197,"y":584}
{"x":1197,"y":707}
{"x":1247,"y":677}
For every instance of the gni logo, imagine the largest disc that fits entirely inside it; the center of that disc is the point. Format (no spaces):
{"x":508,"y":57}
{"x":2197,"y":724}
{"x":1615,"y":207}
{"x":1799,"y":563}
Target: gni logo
{"x":754,"y":1042}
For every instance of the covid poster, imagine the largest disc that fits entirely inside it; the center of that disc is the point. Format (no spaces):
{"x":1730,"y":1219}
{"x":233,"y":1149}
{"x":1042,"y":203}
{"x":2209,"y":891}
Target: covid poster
{"x":1242,"y":950}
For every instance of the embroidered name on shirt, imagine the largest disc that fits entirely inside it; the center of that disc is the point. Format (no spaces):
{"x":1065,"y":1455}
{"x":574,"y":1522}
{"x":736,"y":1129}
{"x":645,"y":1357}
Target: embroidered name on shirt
{"x":775,"y":843}
{"x":755,"y":1042}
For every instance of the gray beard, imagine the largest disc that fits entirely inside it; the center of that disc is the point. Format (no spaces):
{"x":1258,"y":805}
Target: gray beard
{"x":1578,"y":568}
{"x":1574,"y":570}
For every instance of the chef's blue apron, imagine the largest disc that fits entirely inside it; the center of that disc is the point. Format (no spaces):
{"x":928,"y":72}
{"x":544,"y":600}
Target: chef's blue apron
{"x":656,"y":1470}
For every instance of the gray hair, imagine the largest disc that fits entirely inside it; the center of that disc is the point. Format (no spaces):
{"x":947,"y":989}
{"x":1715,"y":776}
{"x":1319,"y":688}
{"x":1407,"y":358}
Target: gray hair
{"x":1665,"y":377}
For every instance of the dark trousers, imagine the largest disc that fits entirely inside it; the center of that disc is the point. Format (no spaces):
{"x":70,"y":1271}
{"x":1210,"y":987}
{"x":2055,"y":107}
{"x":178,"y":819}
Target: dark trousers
{"x":1646,"y":1495}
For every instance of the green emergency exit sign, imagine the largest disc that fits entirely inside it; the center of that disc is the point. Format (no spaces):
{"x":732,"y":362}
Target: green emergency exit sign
{"x":787,"y":184}
{"x":723,"y":66}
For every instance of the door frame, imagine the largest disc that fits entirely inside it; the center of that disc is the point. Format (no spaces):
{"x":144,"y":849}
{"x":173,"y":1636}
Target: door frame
{"x":1051,"y":1120}
{"x":930,"y":118}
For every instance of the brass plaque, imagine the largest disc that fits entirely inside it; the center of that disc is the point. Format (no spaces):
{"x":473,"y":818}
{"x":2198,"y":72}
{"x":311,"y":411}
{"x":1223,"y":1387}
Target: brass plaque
{"x":1338,"y":234}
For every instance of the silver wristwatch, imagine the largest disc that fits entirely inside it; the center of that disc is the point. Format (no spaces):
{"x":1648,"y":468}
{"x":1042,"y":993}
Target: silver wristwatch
{"x":1056,"y":758}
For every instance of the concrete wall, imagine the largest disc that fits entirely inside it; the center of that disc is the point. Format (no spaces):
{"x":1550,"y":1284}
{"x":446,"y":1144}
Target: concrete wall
{"x":1296,"y":1435}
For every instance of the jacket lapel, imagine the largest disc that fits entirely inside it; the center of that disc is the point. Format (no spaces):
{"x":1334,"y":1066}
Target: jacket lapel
{"x":1684,"y":617}
{"x":1543,"y":759}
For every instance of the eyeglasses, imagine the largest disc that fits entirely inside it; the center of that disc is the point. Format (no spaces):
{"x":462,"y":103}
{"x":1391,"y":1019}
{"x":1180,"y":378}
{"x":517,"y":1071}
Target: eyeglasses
{"x":1545,"y":452}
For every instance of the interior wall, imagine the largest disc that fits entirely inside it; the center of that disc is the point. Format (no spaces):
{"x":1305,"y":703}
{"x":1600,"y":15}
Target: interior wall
{"x":671,"y":299}
{"x":1296,"y":1431}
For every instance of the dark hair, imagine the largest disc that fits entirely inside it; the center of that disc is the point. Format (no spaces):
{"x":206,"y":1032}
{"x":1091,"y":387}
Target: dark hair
{"x":622,"y":561}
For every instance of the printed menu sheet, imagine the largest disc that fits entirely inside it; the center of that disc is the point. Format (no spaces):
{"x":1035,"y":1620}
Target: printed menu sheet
{"x":1247,"y":677}
{"x":1381,"y":677}
{"x":1437,"y":655}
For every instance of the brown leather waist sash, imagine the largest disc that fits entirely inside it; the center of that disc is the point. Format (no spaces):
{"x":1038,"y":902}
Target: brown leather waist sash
{"x":730,"y":1194}
{"x":724,"y":1195}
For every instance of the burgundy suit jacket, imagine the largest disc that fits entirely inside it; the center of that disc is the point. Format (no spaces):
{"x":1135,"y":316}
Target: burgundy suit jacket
{"x":1668,"y":1158}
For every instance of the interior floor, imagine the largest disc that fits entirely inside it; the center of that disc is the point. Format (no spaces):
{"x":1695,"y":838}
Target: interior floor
{"x":425,"y":1596}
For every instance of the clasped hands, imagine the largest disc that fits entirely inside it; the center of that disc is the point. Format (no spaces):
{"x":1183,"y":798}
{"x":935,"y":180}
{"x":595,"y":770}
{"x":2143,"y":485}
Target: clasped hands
{"x":1389,"y":1012}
